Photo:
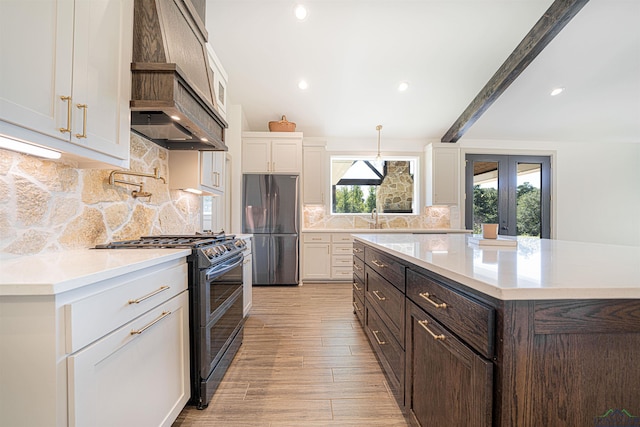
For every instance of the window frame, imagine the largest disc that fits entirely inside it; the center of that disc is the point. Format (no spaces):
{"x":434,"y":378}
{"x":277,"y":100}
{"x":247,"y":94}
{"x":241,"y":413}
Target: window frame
{"x":417,"y":187}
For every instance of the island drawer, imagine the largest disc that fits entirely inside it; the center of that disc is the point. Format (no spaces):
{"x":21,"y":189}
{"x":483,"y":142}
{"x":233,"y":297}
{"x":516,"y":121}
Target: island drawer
{"x":390,"y":354}
{"x":387,"y":266}
{"x":358,"y":267}
{"x":90,"y":318}
{"x":358,"y":249}
{"x":469,"y":319}
{"x":358,"y":306}
{"x":358,"y":287}
{"x":387,"y":301}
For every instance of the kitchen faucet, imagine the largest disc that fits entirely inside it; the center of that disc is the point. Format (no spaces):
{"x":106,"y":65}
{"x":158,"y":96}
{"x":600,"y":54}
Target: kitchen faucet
{"x":374,"y":216}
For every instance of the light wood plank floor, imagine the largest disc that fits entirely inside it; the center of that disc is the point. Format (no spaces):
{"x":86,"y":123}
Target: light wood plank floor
{"x":304,"y":361}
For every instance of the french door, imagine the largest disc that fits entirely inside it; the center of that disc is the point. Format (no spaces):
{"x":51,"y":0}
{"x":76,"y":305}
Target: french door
{"x":512,"y":191}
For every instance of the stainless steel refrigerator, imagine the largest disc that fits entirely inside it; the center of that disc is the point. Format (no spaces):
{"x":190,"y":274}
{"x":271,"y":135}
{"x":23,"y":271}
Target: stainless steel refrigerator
{"x":270,"y":213}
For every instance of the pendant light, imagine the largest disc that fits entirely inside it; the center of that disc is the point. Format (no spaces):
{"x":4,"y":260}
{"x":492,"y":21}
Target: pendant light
{"x":378,"y":157}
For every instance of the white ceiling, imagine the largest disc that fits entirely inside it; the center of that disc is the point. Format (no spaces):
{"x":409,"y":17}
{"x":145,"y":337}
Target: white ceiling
{"x":354,"y":53}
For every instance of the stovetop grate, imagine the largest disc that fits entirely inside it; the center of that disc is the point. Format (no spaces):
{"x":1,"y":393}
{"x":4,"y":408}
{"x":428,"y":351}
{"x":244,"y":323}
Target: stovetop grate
{"x":169,"y":241}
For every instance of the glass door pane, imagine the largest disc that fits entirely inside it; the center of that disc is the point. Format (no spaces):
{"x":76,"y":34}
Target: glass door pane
{"x":528,"y":199}
{"x":485,"y":194}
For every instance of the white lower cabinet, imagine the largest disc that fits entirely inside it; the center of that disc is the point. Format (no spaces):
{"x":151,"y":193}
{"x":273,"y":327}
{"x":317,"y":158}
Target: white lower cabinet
{"x":341,"y":257}
{"x":327,"y":257}
{"x":317,"y":261}
{"x":316,"y":256}
{"x":136,"y":375}
{"x":112,"y":352}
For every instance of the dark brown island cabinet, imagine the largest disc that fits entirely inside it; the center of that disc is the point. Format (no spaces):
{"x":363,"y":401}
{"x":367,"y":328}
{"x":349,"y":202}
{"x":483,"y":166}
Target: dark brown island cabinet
{"x":454,"y":356}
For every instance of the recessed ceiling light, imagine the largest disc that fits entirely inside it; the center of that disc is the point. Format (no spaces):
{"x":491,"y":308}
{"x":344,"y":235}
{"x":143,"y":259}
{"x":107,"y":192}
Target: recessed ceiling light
{"x":557,"y":91}
{"x":403,"y":86}
{"x":301,"y":12}
{"x":203,"y":139}
{"x":176,"y":118}
{"x":302,"y":84}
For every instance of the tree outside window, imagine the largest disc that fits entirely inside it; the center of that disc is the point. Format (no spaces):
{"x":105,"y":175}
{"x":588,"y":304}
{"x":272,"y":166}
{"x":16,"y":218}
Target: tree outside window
{"x":356,"y":185}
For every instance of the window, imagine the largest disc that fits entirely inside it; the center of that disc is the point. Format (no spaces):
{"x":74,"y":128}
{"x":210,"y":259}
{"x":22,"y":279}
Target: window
{"x":359,"y":185}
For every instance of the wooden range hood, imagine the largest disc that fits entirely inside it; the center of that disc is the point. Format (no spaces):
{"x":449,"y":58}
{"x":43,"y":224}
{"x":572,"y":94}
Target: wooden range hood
{"x":172,"y":96}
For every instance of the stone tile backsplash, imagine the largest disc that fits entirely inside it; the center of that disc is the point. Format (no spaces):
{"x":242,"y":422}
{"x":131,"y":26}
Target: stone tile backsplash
{"x":315,"y":217}
{"x":50,"y":206}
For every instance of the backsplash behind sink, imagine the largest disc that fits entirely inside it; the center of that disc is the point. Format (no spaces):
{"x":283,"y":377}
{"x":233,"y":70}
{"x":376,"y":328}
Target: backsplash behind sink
{"x":48,"y":206}
{"x":316,"y":218}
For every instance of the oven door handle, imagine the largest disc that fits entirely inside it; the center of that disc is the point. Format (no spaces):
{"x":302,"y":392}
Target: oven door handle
{"x":230,"y":264}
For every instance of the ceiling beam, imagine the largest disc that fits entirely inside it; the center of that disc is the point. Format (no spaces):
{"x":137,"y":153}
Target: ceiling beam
{"x":547,"y":27}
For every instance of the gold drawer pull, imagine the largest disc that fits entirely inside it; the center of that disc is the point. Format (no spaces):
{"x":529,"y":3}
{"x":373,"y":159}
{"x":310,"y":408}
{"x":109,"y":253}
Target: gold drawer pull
{"x":426,"y":296}
{"x":355,"y":305}
{"x":424,"y":324}
{"x":156,"y":292}
{"x":150,"y":324}
{"x":316,"y":238}
{"x":355,"y":285}
{"x":378,"y":296}
{"x":357,"y":267}
{"x":375,"y":334}
{"x":67,"y":99}
{"x":357,"y":250}
{"x":83,"y":107}
{"x":378,"y":263}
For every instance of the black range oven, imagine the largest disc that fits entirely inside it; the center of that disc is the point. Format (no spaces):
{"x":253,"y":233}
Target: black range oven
{"x":215,"y":303}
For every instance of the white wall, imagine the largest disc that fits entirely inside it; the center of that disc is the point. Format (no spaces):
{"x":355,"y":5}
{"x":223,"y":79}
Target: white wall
{"x":237,"y":124}
{"x":596,"y":187}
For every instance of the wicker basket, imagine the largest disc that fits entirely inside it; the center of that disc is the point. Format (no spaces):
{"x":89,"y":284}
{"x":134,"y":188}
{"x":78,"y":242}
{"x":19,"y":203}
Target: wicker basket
{"x":282,"y":126}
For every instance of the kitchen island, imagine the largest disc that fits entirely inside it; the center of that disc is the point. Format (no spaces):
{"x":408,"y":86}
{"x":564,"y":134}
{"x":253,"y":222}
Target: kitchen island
{"x":545,"y":333}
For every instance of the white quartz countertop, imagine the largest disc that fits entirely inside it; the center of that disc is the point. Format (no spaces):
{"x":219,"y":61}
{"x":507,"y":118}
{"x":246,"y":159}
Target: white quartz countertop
{"x":386,"y":230}
{"x":535,"y":269}
{"x":57,"y":272}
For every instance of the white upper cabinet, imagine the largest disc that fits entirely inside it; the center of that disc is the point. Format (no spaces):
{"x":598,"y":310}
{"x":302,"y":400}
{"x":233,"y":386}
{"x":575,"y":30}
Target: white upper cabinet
{"x":67,"y":84}
{"x":443,"y":174}
{"x":219,"y":81}
{"x":198,"y":170}
{"x":272,"y":152}
{"x":313,"y":175}
{"x":35,"y":69}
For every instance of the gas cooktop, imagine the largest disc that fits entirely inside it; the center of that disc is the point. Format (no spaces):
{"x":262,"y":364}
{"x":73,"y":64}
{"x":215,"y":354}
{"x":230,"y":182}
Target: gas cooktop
{"x":209,"y":248}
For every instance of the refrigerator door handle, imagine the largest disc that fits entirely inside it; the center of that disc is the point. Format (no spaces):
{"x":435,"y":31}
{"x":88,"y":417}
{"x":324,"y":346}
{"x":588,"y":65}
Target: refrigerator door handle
{"x":273,"y":257}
